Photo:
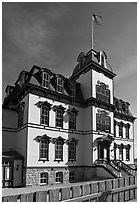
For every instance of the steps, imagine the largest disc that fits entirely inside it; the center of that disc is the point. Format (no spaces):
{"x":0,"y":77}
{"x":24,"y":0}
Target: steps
{"x":117,"y":168}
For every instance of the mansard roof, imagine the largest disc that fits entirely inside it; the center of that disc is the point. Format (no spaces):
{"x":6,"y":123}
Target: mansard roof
{"x":88,"y":59}
{"x":34,"y":77}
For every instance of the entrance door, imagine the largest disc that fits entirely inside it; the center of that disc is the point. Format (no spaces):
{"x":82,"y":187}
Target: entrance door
{"x":7,"y":174}
{"x":103,"y":151}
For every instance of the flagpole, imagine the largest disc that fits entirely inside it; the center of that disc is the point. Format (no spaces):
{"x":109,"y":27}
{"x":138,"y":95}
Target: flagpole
{"x":92,"y":31}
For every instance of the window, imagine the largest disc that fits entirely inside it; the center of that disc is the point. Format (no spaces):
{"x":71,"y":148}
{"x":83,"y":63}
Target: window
{"x":114,"y":128}
{"x":73,"y":89}
{"x":45,"y":79}
{"x":72,"y":121}
{"x":45,"y":115}
{"x":59,"y":118}
{"x":127,"y":130}
{"x":20,"y":116}
{"x":72,"y":151}
{"x":44,"y":149}
{"x":43,"y":178}
{"x":102,"y":93}
{"x":121,"y":130}
{"x":121,"y":153}
{"x":71,"y":176}
{"x":59,"y":150}
{"x":127,"y":154}
{"x":59,"y":177}
{"x":59,"y":85}
{"x":103,"y":122}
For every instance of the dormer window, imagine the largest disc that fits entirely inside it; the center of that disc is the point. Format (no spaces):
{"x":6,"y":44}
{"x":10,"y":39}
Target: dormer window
{"x":102,"y":59}
{"x":59,"y":85}
{"x":73,"y":90}
{"x":45,"y":79}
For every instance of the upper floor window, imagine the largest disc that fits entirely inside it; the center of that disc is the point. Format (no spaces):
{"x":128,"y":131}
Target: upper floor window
{"x":121,"y":129}
{"x":60,"y":85}
{"x":20,"y":116}
{"x":103,"y":122}
{"x":102,"y":93}
{"x":59,"y":177}
{"x":59,"y":150}
{"x":102,"y":58}
{"x":45,"y":79}
{"x":72,"y":151}
{"x":43,"y":178}
{"x":127,"y":130}
{"x":59,"y":118}
{"x":73,"y":89}
{"x":44,"y":149}
{"x":72,"y":121}
{"x":45,"y":115}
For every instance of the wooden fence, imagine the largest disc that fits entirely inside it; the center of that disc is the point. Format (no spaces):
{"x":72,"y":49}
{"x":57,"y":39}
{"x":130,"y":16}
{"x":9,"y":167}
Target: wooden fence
{"x":113,"y":190}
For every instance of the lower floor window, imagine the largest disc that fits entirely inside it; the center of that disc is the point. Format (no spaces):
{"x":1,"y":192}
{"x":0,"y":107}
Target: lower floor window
{"x":43,"y":178}
{"x":71,"y":176}
{"x":59,"y":177}
{"x":128,"y":154}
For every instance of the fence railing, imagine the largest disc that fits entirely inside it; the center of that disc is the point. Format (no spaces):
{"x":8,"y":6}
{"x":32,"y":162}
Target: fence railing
{"x":112,"y":190}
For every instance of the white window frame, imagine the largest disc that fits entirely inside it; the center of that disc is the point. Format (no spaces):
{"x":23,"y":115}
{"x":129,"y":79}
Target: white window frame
{"x":44,"y":118}
{"x":72,"y":151}
{"x":58,"y":150}
{"x":72,"y":89}
{"x":59,"y":87}
{"x":72,"y":121}
{"x":45,"y":80}
{"x":59,"y":177}
{"x":59,"y":118}
{"x":44,"y":149}
{"x":45,"y":177}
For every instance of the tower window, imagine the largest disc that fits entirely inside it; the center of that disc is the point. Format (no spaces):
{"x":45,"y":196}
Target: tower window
{"x":45,"y":79}
{"x":102,"y":93}
{"x":59,"y":85}
{"x":127,"y":130}
{"x":103,"y":122}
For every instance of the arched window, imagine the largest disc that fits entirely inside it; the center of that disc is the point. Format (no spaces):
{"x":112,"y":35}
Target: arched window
{"x":103,"y":122}
{"x":72,"y":151}
{"x":120,"y":129}
{"x":44,"y":149}
{"x":59,"y":118}
{"x":102,"y":93}
{"x":72,"y":121}
{"x":45,"y":80}
{"x":72,"y":89}
{"x":45,"y":115}
{"x":59,"y":85}
{"x":59,"y":150}
{"x":43,"y":178}
{"x":59,"y":177}
{"x":127,"y":130}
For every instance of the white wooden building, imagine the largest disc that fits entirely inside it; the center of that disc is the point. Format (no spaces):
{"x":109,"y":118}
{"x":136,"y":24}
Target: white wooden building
{"x":58,"y":130}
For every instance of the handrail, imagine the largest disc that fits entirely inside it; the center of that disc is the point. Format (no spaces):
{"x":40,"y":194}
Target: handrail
{"x":125,"y":167}
{"x":109,"y":167}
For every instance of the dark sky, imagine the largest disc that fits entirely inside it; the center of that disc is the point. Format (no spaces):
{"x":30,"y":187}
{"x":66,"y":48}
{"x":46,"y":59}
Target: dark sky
{"x":53,"y":34}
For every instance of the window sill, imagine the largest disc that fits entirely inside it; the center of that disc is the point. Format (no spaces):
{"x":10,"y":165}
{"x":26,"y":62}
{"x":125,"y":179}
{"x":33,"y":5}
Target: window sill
{"x":43,"y":160}
{"x":58,"y":160}
{"x":43,"y":184}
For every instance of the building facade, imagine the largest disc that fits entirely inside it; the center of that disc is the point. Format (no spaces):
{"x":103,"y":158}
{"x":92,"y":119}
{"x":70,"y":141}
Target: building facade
{"x":58,"y":130}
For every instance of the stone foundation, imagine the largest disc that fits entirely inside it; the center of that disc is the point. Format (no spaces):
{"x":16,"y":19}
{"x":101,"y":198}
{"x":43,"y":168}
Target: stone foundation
{"x":33,"y":175}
